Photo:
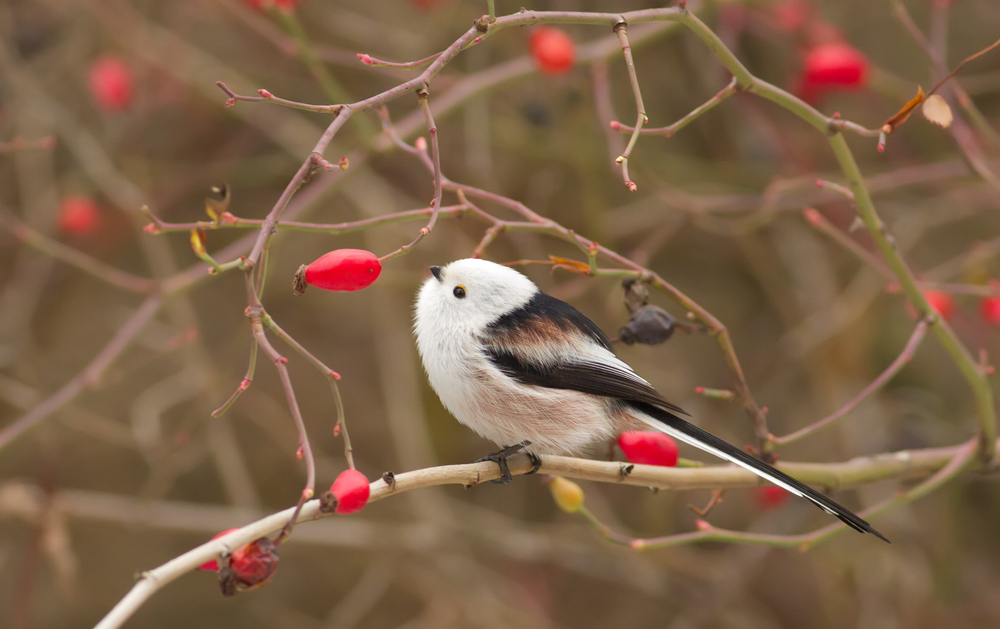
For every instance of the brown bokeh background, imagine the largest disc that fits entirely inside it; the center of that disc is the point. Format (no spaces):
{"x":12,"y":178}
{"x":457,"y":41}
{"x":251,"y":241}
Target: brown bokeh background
{"x":134,"y":471}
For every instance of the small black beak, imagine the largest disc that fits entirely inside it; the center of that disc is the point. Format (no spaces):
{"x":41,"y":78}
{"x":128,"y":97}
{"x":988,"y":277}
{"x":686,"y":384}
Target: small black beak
{"x":436,"y":270}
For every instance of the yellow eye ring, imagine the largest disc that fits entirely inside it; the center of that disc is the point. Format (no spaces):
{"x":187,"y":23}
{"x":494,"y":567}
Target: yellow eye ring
{"x":459,"y":292}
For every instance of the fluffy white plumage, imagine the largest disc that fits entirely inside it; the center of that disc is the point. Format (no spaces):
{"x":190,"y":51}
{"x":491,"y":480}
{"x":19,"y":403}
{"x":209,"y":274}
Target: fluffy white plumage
{"x":450,"y":340}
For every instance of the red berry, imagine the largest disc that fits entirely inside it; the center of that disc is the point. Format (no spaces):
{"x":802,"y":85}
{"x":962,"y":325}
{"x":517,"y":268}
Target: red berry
{"x":281,"y":4}
{"x":989,"y":308}
{"x":833,"y":66}
{"x":214,"y":564}
{"x":110,"y":82}
{"x":552,"y":49}
{"x":78,"y":215}
{"x":941,"y":301}
{"x":648,"y":448}
{"x":770,"y":497}
{"x":791,"y":15}
{"x":351,"y":490}
{"x":254,"y":564}
{"x":344,"y":270}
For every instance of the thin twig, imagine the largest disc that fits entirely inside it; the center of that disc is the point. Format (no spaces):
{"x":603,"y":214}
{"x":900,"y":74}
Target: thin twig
{"x":245,"y":383}
{"x":266,"y":96}
{"x":670,"y":130}
{"x":621,"y":29}
{"x":86,"y":378}
{"x":876,"y":385}
{"x":82,"y":261}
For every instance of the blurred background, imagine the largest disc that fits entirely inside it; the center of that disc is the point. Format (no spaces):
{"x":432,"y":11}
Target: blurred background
{"x":108,"y":105}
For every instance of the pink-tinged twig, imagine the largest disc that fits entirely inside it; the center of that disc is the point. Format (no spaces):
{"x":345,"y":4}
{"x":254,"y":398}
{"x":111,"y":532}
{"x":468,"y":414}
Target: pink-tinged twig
{"x":281,"y":364}
{"x":86,"y":378}
{"x":822,"y":184}
{"x":266,"y":96}
{"x":331,"y":376}
{"x":820,"y":222}
{"x":890,"y":372}
{"x":435,"y":161}
{"x":670,"y":130}
{"x":75,"y":258}
{"x":244,"y":383}
{"x":20,"y":144}
{"x":158,"y":226}
{"x":369,"y":60}
{"x":621,"y":30}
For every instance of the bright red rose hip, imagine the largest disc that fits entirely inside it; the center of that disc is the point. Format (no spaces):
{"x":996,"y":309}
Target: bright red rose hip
{"x":214,"y":564}
{"x":78,"y":216}
{"x":833,"y":66}
{"x":552,"y":49}
{"x":344,"y":270}
{"x":351,"y":490}
{"x":110,"y":82}
{"x":989,"y":308}
{"x":648,"y":448}
{"x":770,"y":497}
{"x":942,"y":302}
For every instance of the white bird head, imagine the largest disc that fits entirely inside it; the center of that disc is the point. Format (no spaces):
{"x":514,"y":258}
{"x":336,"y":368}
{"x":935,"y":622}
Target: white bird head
{"x":467,"y":295}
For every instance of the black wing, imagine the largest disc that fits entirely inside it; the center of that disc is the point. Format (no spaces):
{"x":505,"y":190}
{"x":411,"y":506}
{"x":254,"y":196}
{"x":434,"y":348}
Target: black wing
{"x":586,"y":377}
{"x":545,"y":310}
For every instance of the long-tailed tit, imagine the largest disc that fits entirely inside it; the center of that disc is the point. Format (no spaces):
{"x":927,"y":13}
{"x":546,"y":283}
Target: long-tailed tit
{"x":527,"y":370}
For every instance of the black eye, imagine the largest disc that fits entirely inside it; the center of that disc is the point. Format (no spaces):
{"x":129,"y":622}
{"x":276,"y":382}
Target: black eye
{"x":459,"y":292}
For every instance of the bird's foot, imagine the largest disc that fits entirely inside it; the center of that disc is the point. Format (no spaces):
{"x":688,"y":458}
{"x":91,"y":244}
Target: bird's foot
{"x":500,"y":458}
{"x":536,"y":462}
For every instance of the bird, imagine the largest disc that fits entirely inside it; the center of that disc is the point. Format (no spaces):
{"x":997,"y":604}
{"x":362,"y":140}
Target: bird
{"x":531,"y":373}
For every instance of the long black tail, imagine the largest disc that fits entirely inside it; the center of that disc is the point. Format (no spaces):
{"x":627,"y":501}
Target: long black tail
{"x":677,"y":428}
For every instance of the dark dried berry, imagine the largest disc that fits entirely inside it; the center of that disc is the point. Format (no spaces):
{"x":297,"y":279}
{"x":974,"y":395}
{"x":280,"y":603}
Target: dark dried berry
{"x":649,"y":325}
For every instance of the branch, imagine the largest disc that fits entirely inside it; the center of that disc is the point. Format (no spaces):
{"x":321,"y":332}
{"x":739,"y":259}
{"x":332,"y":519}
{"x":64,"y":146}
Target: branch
{"x":705,"y":107}
{"x":621,"y":30}
{"x":941,"y":463}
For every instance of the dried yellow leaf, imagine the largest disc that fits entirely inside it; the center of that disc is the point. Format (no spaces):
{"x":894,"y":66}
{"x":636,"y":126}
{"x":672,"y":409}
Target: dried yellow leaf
{"x":570,"y":263}
{"x":936,"y":110}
